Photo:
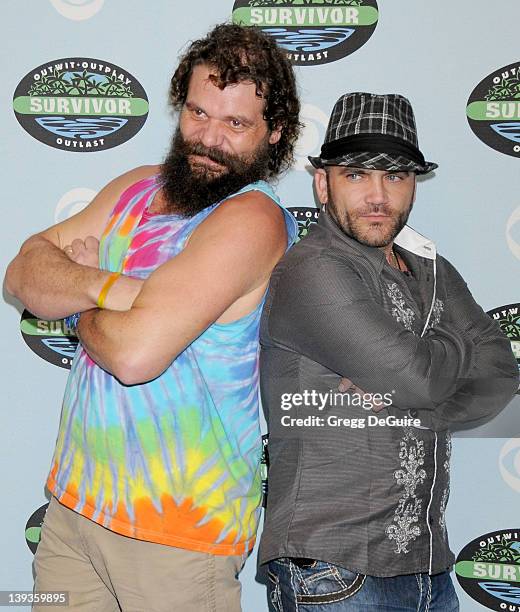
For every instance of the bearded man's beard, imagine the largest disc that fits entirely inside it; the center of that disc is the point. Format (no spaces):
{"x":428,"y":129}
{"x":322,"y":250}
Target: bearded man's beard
{"x":190,"y":188}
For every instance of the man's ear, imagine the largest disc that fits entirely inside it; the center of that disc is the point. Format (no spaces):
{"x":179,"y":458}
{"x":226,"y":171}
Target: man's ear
{"x":320,"y":184}
{"x":275,"y":135}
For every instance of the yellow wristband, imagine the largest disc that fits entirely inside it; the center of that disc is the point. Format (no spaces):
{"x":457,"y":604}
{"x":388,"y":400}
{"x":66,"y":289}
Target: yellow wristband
{"x":106,"y":288}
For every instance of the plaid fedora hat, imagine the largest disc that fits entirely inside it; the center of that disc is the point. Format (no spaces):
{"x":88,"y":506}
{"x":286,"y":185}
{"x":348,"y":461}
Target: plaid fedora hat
{"x":372,"y":131}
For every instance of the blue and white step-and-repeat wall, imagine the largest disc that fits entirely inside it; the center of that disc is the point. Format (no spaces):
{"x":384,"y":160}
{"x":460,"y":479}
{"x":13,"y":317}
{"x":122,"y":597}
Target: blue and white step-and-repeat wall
{"x":85,"y":98}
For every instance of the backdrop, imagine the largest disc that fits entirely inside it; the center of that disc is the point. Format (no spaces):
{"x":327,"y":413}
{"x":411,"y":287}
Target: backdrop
{"x":84,"y":97}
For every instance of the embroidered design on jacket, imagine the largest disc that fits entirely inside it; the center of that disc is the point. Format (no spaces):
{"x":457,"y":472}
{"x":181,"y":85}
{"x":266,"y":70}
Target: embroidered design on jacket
{"x":400,"y":311}
{"x":446,"y":492}
{"x":404,"y":528}
{"x":437,"y":311}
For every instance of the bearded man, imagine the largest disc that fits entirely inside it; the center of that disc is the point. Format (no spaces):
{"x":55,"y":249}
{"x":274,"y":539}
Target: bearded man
{"x":355,"y":515}
{"x":155,"y":479}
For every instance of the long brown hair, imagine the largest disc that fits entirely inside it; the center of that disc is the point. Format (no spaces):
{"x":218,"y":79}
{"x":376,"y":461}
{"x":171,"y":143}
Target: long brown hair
{"x":239,"y":54}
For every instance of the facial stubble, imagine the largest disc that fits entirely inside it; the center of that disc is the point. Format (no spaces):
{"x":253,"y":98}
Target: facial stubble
{"x":351,"y":225}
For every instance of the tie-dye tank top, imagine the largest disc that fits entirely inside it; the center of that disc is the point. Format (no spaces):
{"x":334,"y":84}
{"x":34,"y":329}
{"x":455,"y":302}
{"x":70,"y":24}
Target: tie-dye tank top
{"x":174,"y":460}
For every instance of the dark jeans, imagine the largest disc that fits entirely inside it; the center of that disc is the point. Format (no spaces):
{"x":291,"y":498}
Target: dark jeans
{"x":312,"y":586}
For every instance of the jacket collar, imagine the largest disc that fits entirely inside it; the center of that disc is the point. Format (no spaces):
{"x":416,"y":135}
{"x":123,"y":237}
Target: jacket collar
{"x":416,"y":243}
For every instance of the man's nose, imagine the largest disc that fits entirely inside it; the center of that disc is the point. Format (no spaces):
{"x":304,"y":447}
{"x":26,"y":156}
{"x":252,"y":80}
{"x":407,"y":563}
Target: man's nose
{"x":377,"y":192}
{"x":211,"y":133}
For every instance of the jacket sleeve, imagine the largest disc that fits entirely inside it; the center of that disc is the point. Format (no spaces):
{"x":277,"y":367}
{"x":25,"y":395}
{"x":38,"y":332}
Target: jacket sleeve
{"x":493,"y":378}
{"x":323,"y":309}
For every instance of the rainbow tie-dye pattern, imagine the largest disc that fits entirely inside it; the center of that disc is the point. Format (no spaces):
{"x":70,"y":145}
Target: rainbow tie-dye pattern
{"x":174,"y":460}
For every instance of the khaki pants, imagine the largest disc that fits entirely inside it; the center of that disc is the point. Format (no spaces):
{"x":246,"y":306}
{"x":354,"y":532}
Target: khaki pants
{"x":107,"y":572}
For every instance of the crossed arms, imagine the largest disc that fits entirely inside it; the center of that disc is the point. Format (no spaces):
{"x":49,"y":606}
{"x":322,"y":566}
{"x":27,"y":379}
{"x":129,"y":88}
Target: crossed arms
{"x":460,"y":374}
{"x":52,"y":286}
{"x":220,"y":276}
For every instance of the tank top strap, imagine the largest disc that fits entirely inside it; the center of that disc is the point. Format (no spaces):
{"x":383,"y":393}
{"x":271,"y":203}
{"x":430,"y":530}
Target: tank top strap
{"x":291,"y":224}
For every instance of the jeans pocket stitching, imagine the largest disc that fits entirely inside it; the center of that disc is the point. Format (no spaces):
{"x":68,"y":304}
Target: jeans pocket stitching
{"x":338,"y":577}
{"x":334,"y":596}
{"x":276,"y":593}
{"x":299,"y":575}
{"x":318,"y":576}
{"x":272,"y":576}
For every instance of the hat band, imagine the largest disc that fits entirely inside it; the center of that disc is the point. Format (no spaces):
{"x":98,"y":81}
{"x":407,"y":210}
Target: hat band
{"x":371,"y":143}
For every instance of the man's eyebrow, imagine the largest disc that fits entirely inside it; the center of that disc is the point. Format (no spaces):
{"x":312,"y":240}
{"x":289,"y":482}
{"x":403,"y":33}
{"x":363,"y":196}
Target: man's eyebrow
{"x":191,"y":105}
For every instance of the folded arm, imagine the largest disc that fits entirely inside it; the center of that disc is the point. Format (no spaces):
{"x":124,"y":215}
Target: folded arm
{"x":323,"y":309}
{"x":49,"y":283}
{"x":493,"y":379}
{"x":327,"y":313}
{"x":227,"y":262}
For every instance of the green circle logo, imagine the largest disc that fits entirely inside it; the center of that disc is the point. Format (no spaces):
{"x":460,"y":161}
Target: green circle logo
{"x":312,"y":32}
{"x":33,"y":528}
{"x":488,"y":569}
{"x":80,"y":104}
{"x":493,"y":110}
{"x":50,"y":340}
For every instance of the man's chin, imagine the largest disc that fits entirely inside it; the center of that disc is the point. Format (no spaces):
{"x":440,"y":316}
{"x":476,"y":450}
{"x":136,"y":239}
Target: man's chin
{"x":376,"y":238}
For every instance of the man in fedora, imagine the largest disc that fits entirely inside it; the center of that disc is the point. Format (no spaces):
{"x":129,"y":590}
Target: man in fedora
{"x":359,"y":481}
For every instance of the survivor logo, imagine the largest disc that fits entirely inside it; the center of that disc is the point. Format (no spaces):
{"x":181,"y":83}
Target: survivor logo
{"x":493,"y":110}
{"x":80,"y":104}
{"x":312,"y":31}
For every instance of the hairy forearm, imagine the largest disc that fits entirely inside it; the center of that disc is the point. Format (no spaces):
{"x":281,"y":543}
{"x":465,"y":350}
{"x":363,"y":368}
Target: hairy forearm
{"x":52,"y":286}
{"x":48,"y":283}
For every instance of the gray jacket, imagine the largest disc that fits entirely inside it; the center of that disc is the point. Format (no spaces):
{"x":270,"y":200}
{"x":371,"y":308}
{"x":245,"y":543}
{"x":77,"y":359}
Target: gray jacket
{"x":368,"y":494}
